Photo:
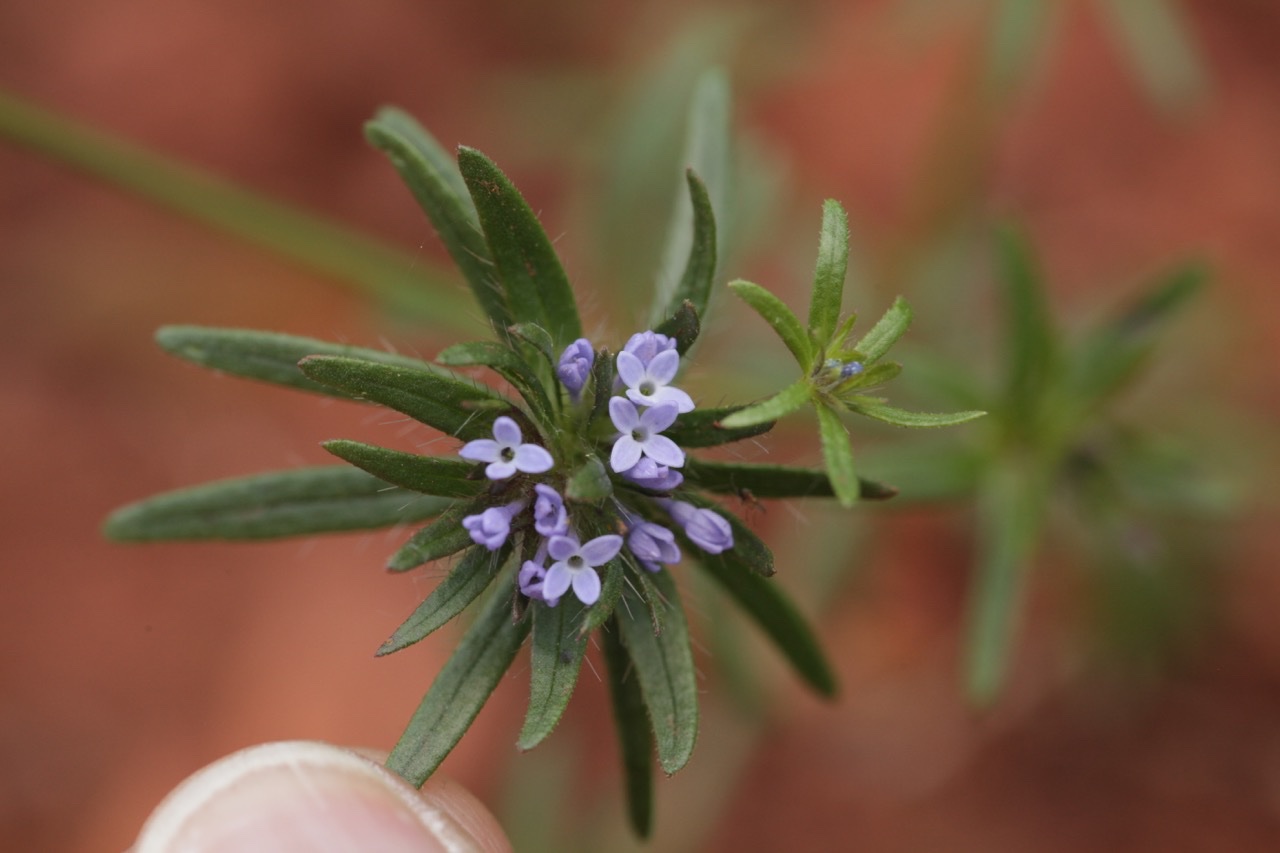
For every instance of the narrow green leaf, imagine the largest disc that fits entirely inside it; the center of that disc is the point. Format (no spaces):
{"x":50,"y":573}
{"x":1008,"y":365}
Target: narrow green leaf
{"x":612,"y":578}
{"x":750,"y":481}
{"x":270,"y":356}
{"x":828,"y":277}
{"x":1010,"y":513}
{"x":837,"y":454}
{"x":453,"y":406}
{"x":885,"y":333}
{"x":433,"y":178}
{"x":470,"y":577}
{"x":461,"y":689}
{"x":509,"y":366}
{"x":769,"y":607}
{"x":783,"y":403}
{"x":663,"y":664}
{"x":705,"y":428}
{"x":780,"y":318}
{"x":447,"y":478}
{"x":700,"y":269}
{"x":440,"y":538}
{"x":530,"y":274}
{"x":633,"y":731}
{"x":276,"y":504}
{"x":602,"y":385}
{"x":554,"y":661}
{"x":900,"y":417}
{"x":683,"y":325}
{"x":537,"y":337}
{"x":1159,"y":44}
{"x":589,"y":482}
{"x":649,"y":591}
{"x":1017,"y":37}
{"x":1031,"y":339}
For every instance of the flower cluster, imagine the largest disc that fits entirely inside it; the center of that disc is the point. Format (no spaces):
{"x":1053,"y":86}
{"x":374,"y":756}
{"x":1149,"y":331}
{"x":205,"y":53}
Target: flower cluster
{"x":644,"y":405}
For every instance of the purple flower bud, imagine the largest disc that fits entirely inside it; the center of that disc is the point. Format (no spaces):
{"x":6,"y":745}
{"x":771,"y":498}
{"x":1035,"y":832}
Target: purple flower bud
{"x":705,"y":528}
{"x":646,"y":345}
{"x":653,"y":545}
{"x":575,"y":366}
{"x":532,"y":575}
{"x":650,"y":475}
{"x":549,"y":515}
{"x":491,"y":527}
{"x":851,"y":368}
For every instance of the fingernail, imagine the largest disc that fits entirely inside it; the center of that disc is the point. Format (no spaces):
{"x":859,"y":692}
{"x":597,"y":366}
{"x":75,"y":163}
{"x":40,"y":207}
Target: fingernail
{"x":298,"y":796}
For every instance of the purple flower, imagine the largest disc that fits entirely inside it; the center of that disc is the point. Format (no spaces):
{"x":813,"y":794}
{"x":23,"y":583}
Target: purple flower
{"x":549,"y":515}
{"x":653,"y":545}
{"x":491,"y":527}
{"x":650,"y":475}
{"x":647,"y":384}
{"x":505,"y":452}
{"x":640,"y":435}
{"x":532,"y":576}
{"x":646,"y":345}
{"x":575,"y":566}
{"x":575,"y":366}
{"x":706,"y":529}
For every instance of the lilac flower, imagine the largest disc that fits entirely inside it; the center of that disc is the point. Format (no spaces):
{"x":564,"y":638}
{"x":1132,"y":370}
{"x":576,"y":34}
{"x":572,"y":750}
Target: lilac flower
{"x":705,"y":528}
{"x":549,"y":516}
{"x":640,"y":435}
{"x":575,"y":366}
{"x":575,"y":566}
{"x":491,"y":527}
{"x":533,"y":574}
{"x":647,"y":383}
{"x":646,"y":345}
{"x":650,"y":475}
{"x":653,"y":545}
{"x":505,"y":452}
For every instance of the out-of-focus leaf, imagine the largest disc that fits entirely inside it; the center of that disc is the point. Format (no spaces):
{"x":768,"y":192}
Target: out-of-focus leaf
{"x":440,"y":538}
{"x":461,"y":689}
{"x":683,"y":325}
{"x":589,"y":482}
{"x":772,"y":481}
{"x":1032,"y":340}
{"x":694,"y":286}
{"x":433,"y":178}
{"x":449,"y":405}
{"x":837,"y":455}
{"x":447,"y":478}
{"x":828,"y":277}
{"x":276,"y":504}
{"x":769,"y":607}
{"x":554,"y":661}
{"x":633,"y":731}
{"x":663,"y":664}
{"x":900,"y":417}
{"x":537,"y":337}
{"x":525,"y":262}
{"x":470,"y":577}
{"x":1156,"y":39}
{"x":929,"y":471}
{"x":508,"y":365}
{"x":885,"y":333}
{"x":1017,"y":36}
{"x":780,"y":318}
{"x":704,"y":428}
{"x":786,"y":401}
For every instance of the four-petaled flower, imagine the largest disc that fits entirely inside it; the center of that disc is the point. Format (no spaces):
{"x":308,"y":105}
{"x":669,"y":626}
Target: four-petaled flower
{"x":506,"y":453}
{"x":575,"y":565}
{"x":640,"y":435}
{"x":645,"y":345}
{"x":647,"y":385}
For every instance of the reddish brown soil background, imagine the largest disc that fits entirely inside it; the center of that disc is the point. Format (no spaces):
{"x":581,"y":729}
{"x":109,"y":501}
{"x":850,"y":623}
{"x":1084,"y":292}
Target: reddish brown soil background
{"x":125,"y":668}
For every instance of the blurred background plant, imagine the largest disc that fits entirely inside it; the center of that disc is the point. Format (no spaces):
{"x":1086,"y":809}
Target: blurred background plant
{"x":1118,"y":138}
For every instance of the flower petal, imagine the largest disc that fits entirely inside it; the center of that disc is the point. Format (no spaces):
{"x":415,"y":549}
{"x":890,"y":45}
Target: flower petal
{"x":602,"y":549}
{"x":659,"y":417}
{"x":562,"y":547}
{"x":626,"y":453}
{"x":481,"y":450}
{"x":586,"y":585}
{"x":630,"y":369}
{"x":623,"y":414}
{"x":499,"y":470}
{"x":507,"y":431}
{"x":532,"y":459}
{"x":557,"y":581}
{"x":664,"y":451}
{"x":670,"y":395}
{"x":663,"y":367}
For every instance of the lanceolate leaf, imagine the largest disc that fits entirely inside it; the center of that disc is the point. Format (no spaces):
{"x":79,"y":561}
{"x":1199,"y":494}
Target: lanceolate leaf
{"x":663,"y":664}
{"x":509,"y":365}
{"x":900,"y":417}
{"x":683,"y":325}
{"x":1032,"y":339}
{"x":885,"y":333}
{"x":461,"y":688}
{"x":470,"y":577}
{"x":700,"y":270}
{"x":780,"y":318}
{"x":429,"y":475}
{"x":537,"y":336}
{"x":633,"y":731}
{"x":270,"y":356}
{"x":526,"y":265}
{"x":705,"y":428}
{"x":774,"y":613}
{"x":828,"y":278}
{"x":612,"y":578}
{"x":266,"y":506}
{"x":750,"y":481}
{"x":440,"y":538}
{"x":838,"y":456}
{"x":783,"y":403}
{"x":433,"y":178}
{"x":555,"y":658}
{"x":449,"y":405}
